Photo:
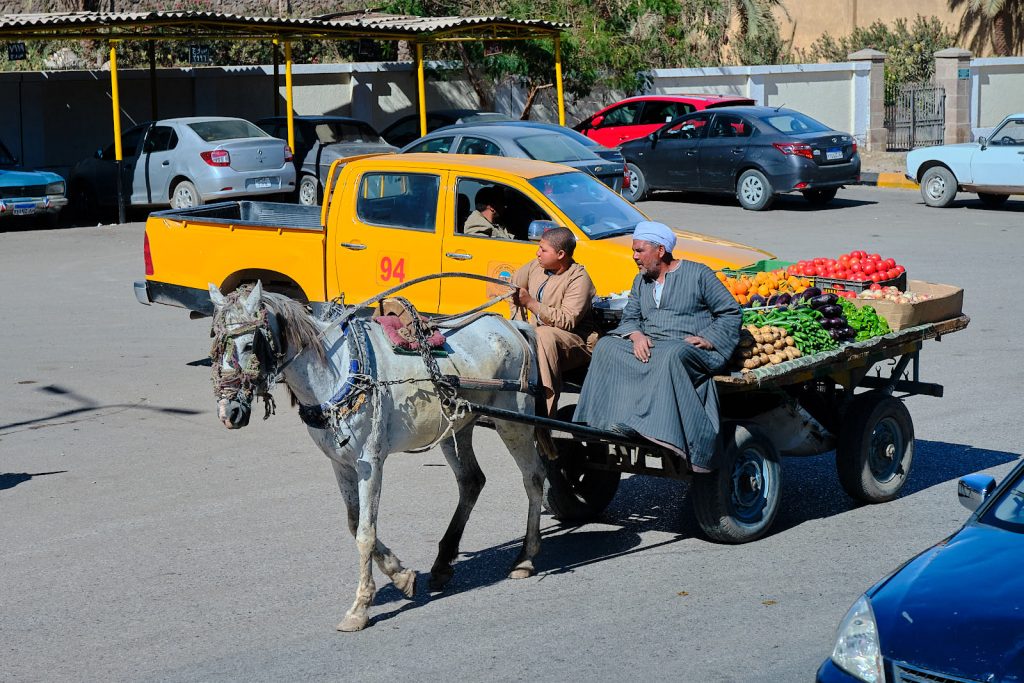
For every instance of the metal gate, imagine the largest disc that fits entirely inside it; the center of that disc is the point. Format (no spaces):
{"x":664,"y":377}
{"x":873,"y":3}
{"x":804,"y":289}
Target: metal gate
{"x":916,"y":118}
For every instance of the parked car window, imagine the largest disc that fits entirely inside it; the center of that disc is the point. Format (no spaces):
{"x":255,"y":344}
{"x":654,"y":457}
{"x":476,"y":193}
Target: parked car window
{"x":663,"y":112}
{"x":214,"y":131}
{"x":625,"y":115}
{"x":160,"y":139}
{"x":692,"y":128}
{"x":730,"y":126}
{"x":331,"y":132}
{"x":517,"y":210}
{"x":471,"y":145}
{"x":129,"y":144}
{"x":597,"y":209}
{"x":794,"y":122}
{"x":399,"y":200}
{"x":439,"y":145}
{"x":1010,"y":133}
{"x":554,"y":148}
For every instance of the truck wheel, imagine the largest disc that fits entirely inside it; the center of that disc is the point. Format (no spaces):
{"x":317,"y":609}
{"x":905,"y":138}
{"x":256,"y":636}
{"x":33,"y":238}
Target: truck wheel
{"x":876,"y":447}
{"x":185,"y":196}
{"x":738,"y":502}
{"x":309,"y":191}
{"x":821,"y":196}
{"x":572,"y":492}
{"x":989,"y":199}
{"x":753,"y":191}
{"x":635,"y":188}
{"x":938,"y":187}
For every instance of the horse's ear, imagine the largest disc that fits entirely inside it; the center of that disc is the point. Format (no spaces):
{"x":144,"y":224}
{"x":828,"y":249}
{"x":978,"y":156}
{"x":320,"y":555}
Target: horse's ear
{"x":216,"y":297}
{"x":252,"y":303}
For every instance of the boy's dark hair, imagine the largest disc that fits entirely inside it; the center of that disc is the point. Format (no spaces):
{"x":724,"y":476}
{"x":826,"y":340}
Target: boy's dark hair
{"x":560,"y":239}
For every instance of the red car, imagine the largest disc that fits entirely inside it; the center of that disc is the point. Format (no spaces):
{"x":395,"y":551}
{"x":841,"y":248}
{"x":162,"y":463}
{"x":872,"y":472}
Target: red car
{"x":635,"y":117}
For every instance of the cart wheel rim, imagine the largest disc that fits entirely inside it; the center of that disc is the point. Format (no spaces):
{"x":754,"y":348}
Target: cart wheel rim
{"x":886,"y":448}
{"x":936,"y":187}
{"x":752,"y":486}
{"x":752,"y":189}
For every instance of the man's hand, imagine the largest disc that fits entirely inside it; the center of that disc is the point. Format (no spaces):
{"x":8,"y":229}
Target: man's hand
{"x":699,"y":342}
{"x":642,"y":346}
{"x":522,"y":298}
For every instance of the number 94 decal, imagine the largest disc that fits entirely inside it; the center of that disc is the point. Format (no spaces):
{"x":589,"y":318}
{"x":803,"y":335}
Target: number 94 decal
{"x":391,"y":269}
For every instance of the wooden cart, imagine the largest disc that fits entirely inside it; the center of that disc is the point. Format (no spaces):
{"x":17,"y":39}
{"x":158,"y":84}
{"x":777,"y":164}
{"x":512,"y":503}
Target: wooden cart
{"x":848,"y":400}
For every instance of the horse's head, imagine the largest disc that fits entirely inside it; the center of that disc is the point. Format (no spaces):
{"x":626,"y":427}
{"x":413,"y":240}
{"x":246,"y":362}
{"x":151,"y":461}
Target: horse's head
{"x":246,"y":353}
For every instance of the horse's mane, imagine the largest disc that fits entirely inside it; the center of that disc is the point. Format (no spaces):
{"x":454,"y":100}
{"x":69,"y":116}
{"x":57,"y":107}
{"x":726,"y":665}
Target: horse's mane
{"x":299,"y":330}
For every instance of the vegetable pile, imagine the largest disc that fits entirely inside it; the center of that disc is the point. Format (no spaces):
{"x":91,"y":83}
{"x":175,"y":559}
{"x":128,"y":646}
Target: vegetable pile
{"x":764,"y":345}
{"x":865,"y":320}
{"x":878,"y":293}
{"x":857,"y":265}
{"x":765,"y":288}
{"x":803,"y":323}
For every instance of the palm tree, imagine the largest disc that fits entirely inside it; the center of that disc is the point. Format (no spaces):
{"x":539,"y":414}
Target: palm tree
{"x":753,"y":14}
{"x":1000,"y":22}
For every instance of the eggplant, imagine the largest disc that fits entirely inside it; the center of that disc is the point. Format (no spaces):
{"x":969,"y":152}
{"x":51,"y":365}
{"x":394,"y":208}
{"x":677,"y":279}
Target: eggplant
{"x":834,"y":323}
{"x":783,"y":299}
{"x":773,"y":299}
{"x":810,"y":293}
{"x":831,"y":311}
{"x":824,"y":300}
{"x":848,"y":333}
{"x":836,"y":334}
{"x":756,"y":301}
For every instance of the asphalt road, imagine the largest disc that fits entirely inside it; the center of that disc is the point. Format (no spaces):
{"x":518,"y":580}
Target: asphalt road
{"x":144,"y":542}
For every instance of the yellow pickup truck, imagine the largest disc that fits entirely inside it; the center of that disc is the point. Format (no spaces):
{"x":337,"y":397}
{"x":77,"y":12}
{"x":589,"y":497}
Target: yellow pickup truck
{"x":388,"y":219}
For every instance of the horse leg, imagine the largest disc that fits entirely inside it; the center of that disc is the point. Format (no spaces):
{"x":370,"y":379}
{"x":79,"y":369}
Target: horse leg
{"x":519,"y":441}
{"x":458,"y":451}
{"x":404,"y":579}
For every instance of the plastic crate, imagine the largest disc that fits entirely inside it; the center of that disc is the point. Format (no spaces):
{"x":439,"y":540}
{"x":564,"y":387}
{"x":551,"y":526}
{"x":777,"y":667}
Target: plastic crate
{"x":763,"y":266}
{"x":828,"y":284}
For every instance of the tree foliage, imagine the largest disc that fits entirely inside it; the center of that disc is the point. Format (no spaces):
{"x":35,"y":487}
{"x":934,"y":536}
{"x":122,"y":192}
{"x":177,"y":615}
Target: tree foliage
{"x":996,"y":22}
{"x":910,"y":49}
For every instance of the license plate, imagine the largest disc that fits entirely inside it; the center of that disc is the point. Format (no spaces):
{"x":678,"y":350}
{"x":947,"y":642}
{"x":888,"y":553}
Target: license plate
{"x":834,"y":153}
{"x":261,"y":183}
{"x":24,"y":209}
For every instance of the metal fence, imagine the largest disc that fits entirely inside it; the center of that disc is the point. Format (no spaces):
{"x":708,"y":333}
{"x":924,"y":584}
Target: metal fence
{"x":916,"y":117}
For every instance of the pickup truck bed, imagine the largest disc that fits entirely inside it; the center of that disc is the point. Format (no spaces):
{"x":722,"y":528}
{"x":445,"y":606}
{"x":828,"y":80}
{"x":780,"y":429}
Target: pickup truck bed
{"x":249,"y":213}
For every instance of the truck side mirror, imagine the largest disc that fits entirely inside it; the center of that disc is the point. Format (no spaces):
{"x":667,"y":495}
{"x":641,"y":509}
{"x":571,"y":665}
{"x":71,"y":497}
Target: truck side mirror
{"x":538,"y":228}
{"x":974,"y":489}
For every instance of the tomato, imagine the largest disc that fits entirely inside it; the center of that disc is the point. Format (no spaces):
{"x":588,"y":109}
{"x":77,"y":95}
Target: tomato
{"x":875,"y":286}
{"x":839,"y":286}
{"x":877,"y":276}
{"x":844,"y":261}
{"x":855,"y":266}
{"x":900,"y":268}
{"x":892,"y":274}
{"x":889,"y":263}
{"x":869,"y":268}
{"x":874,"y":257}
{"x":858,"y":254}
{"x":843,"y":274}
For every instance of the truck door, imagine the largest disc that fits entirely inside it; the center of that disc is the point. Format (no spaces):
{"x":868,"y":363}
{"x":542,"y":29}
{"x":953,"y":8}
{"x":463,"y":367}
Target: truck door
{"x":482,"y":254}
{"x":385,"y":233}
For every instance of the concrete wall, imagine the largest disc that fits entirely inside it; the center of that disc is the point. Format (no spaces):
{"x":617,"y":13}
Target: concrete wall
{"x":997,"y":89}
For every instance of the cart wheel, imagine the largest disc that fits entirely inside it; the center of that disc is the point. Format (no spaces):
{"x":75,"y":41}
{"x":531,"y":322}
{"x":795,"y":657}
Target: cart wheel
{"x":876,"y":447}
{"x":573,"y":493}
{"x":738,"y":502}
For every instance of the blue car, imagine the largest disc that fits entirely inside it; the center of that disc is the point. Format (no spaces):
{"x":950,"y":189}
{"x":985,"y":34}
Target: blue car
{"x":954,"y":613}
{"x":29,"y":193}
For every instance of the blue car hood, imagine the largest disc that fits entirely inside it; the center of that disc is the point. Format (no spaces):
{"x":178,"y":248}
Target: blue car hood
{"x":21,"y":178}
{"x":958,"y":608}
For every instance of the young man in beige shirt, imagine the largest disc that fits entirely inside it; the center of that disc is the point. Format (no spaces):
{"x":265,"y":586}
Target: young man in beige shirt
{"x":557,"y":292}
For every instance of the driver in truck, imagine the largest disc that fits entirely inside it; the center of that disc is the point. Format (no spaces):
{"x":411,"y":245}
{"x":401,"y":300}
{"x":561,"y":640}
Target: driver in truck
{"x":484,"y":221}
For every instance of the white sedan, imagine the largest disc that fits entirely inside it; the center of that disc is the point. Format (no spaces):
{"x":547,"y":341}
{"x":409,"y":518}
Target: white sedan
{"x":993,"y":167}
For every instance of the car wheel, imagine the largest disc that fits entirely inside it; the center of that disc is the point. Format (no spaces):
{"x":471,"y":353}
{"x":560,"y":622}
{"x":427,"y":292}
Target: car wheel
{"x":635,"y":188}
{"x":309,"y":191}
{"x":738,"y":502}
{"x":185,"y":195}
{"x":989,"y":199}
{"x":821,"y":196}
{"x":876,"y":447}
{"x":754,"y":191}
{"x":938,"y":187}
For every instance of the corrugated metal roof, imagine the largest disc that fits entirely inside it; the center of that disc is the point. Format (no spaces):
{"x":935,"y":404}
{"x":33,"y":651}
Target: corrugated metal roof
{"x":364,"y":25}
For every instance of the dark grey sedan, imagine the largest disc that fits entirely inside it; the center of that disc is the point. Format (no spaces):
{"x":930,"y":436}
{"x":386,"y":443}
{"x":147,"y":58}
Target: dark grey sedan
{"x":512,"y":140}
{"x":319,"y":141}
{"x":755,"y":153}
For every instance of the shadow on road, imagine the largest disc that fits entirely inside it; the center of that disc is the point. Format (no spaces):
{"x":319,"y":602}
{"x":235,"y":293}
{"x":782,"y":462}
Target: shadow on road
{"x":11,"y":479}
{"x":789,"y":202}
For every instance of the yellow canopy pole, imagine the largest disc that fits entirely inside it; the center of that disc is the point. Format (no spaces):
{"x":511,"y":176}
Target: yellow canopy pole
{"x":288,"y":93}
{"x":115,"y":99}
{"x":421,"y":88}
{"x":558,"y":80}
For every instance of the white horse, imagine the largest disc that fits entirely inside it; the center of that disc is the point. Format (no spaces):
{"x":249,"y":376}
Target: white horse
{"x":361,"y":401}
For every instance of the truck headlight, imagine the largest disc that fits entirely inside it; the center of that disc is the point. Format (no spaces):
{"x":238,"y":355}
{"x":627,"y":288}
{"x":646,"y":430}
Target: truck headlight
{"x":857,"y":649}
{"x":55,"y":188}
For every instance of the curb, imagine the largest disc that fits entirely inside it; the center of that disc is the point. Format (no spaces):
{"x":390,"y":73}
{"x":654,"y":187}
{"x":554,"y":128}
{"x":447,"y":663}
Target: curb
{"x":890,"y":180}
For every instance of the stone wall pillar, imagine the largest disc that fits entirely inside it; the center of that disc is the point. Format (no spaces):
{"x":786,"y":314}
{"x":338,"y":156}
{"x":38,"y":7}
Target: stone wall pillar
{"x":953,"y":73}
{"x":876,"y":132}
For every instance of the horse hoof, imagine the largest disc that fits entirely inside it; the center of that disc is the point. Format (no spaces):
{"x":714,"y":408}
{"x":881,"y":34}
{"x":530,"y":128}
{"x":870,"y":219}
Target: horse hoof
{"x":406,"y":582}
{"x":439,"y":578}
{"x":353,"y":622}
{"x":523,"y":571}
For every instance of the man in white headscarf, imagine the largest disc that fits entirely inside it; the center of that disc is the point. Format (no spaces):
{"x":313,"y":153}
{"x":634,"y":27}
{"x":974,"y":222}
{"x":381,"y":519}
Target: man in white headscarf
{"x":651,"y":377}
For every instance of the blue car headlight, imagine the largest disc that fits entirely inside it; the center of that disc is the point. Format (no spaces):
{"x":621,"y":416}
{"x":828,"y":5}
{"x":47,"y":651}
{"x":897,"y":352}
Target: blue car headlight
{"x":857,"y":649}
{"x":56,"y":188}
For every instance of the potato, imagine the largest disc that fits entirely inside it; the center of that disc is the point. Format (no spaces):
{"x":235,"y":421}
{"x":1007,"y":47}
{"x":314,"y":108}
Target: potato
{"x":779,"y":344}
{"x":765,"y":359}
{"x":776,"y":358}
{"x":752,"y":329}
{"x":751,"y":363}
{"x":790,"y":342}
{"x":758,"y":338}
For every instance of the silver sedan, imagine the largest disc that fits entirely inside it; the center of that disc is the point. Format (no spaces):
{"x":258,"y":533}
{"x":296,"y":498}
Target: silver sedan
{"x":186,"y":162}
